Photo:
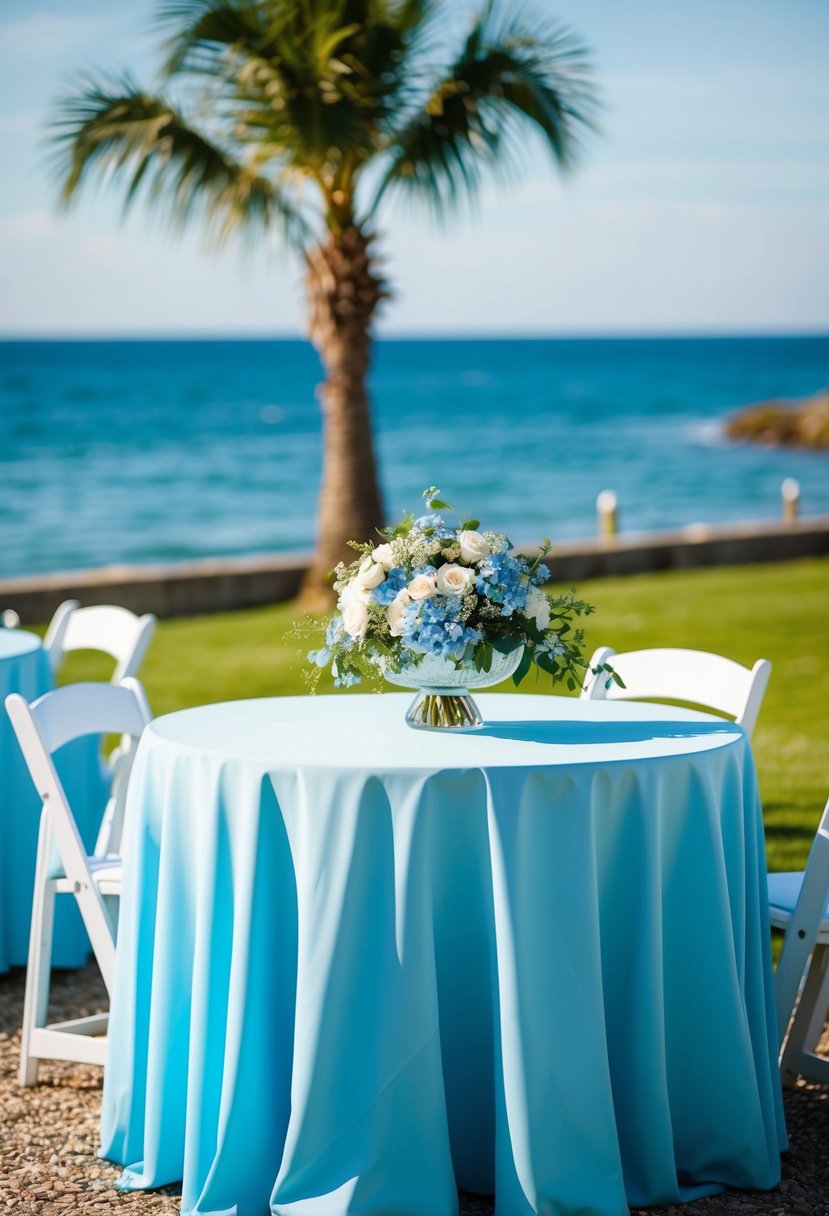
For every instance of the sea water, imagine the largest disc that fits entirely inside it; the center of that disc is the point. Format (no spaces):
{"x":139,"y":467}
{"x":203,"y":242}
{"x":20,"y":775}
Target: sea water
{"x":138,"y":451}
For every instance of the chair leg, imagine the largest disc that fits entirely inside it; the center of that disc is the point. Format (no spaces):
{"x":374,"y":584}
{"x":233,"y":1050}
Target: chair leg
{"x":38,"y":973}
{"x":820,"y":1003}
{"x":809,"y":1019}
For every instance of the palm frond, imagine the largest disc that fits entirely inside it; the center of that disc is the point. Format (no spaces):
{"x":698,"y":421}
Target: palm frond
{"x":144,"y":141}
{"x":512,"y":75}
{"x":309,"y":77}
{"x":204,"y":31}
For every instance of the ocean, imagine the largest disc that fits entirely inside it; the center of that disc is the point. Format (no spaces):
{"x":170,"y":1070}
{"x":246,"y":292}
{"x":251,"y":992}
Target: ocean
{"x":143,"y":451}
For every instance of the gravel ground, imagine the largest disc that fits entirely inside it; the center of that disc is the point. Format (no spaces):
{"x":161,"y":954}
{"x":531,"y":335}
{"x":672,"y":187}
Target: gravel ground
{"x":49,"y":1134}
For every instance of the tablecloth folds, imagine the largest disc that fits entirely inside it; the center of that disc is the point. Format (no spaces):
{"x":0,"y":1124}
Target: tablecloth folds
{"x":356,"y":983}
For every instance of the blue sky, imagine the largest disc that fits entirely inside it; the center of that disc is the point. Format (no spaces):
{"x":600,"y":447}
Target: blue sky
{"x":703,"y":207}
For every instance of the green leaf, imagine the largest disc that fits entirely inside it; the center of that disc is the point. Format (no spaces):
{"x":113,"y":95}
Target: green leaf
{"x":438,"y":504}
{"x":522,"y":668}
{"x":471,"y":525}
{"x":485,"y":656}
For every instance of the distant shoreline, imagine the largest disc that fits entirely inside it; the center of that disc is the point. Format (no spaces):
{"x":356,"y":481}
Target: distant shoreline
{"x":382,"y":338}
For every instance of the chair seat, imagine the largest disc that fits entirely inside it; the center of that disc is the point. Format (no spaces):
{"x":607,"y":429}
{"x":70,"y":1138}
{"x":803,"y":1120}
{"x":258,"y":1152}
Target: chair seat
{"x":105,"y":873}
{"x":784,"y":889}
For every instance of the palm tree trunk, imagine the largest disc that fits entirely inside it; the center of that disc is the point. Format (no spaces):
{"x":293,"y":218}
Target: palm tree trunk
{"x":343,"y":294}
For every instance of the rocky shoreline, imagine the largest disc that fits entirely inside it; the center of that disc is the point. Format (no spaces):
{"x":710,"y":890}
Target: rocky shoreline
{"x":803,"y":424}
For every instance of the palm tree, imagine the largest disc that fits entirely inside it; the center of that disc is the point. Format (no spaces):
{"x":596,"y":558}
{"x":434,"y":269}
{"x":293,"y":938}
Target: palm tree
{"x":305,"y":115}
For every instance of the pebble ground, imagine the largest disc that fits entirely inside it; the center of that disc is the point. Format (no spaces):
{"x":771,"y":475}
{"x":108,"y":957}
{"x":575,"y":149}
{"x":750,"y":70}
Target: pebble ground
{"x":49,"y":1135}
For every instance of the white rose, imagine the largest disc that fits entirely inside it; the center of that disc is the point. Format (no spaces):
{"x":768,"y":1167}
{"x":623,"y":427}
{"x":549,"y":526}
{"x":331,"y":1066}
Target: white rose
{"x":355,"y":619}
{"x":353,"y":592}
{"x":473,"y":547}
{"x":383,"y":555}
{"x":422,"y":587}
{"x":370,"y":574}
{"x":454,"y":580}
{"x":537,"y":608}
{"x":396,"y":613}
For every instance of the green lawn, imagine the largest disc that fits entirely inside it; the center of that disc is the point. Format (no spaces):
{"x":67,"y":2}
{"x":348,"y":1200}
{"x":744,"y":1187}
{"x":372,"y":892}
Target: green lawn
{"x":776,"y":611}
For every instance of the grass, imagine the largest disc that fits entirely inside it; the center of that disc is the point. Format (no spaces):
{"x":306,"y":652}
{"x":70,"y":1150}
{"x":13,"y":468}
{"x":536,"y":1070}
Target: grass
{"x":775,"y":611}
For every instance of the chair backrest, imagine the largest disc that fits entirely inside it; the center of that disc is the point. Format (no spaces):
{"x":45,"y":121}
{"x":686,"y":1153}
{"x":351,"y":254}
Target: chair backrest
{"x":53,"y":640}
{"x":803,"y":927}
{"x":116,"y":631}
{"x":47,"y":724}
{"x":709,"y":680}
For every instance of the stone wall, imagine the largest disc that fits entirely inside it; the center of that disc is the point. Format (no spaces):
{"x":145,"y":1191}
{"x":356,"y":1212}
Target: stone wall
{"x":226,"y":584}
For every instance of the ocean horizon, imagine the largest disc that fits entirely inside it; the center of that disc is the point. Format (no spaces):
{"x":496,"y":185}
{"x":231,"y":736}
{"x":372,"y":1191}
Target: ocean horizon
{"x":142,"y":449}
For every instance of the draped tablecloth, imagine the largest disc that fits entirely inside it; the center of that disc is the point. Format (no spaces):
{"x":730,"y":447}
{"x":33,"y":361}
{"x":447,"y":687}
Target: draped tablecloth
{"x":24,"y":668}
{"x":360,"y":966}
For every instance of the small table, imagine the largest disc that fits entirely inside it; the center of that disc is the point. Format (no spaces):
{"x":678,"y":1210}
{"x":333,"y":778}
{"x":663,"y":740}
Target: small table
{"x":360,"y":966}
{"x":24,"y":669}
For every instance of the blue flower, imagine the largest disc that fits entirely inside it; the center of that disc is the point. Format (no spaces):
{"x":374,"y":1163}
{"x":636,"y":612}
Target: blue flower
{"x":500,"y":580}
{"x":432,"y":627}
{"x":321,"y":657}
{"x":394,"y":582}
{"x":433,"y":525}
{"x":541,"y":574}
{"x":346,"y":679}
{"x":551,"y":646}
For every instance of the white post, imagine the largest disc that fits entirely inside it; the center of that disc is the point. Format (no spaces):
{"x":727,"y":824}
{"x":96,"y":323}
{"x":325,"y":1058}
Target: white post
{"x":607,"y":506}
{"x":790,"y":494}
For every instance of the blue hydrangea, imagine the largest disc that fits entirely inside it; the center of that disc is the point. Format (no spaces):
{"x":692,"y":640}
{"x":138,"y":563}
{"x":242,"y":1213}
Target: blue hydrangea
{"x":346,"y":679}
{"x":433,"y":524}
{"x":432,"y":627}
{"x":437,"y":609}
{"x":335,"y":630}
{"x":500,"y":580}
{"x":541,"y":574}
{"x":394,"y":582}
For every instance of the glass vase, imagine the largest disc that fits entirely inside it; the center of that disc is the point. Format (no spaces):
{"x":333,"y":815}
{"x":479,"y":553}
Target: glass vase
{"x":443,"y":702}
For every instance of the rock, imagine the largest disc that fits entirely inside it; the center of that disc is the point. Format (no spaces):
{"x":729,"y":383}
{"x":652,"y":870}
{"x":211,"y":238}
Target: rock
{"x":803,"y":424}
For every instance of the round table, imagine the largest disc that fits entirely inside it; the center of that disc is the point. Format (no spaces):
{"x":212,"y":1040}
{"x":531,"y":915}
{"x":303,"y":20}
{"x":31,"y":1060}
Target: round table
{"x":360,"y":966}
{"x":24,"y":669}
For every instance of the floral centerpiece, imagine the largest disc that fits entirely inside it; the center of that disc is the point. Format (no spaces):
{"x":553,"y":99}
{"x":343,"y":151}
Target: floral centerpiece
{"x":446,"y":608}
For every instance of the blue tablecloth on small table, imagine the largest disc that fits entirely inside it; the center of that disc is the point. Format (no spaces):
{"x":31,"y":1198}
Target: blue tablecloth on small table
{"x":360,"y":966}
{"x":24,"y":669}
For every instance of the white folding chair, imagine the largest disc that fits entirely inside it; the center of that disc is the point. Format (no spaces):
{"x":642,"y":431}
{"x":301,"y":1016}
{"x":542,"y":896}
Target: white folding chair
{"x":704,"y":679}
{"x":63,"y":866}
{"x":106,"y":627}
{"x":799,"y":904}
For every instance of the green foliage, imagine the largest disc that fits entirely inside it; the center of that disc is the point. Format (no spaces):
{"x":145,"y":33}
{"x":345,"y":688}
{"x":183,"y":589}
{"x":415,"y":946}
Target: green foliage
{"x":775,"y":611}
{"x":283,"y":103}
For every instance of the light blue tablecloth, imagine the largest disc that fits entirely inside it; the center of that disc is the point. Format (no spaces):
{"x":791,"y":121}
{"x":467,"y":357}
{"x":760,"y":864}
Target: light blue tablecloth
{"x":24,"y":669}
{"x":360,"y":966}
